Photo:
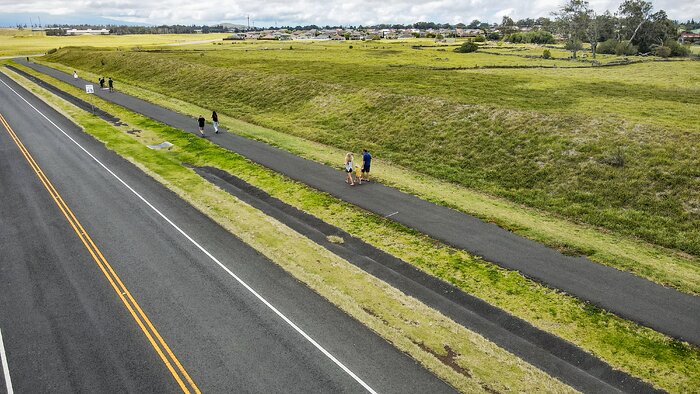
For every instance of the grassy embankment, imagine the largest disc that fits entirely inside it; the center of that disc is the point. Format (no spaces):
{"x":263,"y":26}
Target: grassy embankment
{"x":553,"y":159}
{"x":459,"y":356}
{"x":16,"y":42}
{"x":640,"y":351}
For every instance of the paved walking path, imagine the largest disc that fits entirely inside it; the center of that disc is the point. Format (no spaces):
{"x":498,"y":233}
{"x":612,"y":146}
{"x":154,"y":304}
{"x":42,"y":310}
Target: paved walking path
{"x":663,"y":309}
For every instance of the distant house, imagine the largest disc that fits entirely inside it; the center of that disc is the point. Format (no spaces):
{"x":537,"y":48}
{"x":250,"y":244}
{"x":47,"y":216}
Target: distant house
{"x":468,"y":32}
{"x":322,"y":37}
{"x":304,"y":36}
{"x":76,"y":32}
{"x":687,"y":36}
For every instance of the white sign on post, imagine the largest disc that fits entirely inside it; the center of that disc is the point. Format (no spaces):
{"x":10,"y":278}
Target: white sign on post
{"x":89,"y":89}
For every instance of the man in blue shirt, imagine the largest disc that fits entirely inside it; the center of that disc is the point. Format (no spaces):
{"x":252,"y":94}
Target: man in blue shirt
{"x":366,"y":161}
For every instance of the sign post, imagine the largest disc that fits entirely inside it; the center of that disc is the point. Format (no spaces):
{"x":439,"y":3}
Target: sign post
{"x":90,"y":89}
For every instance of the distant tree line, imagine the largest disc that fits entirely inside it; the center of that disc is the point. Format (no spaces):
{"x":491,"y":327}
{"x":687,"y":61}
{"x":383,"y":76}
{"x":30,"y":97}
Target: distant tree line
{"x":691,"y":25}
{"x":60,"y":30}
{"x":633,"y":29}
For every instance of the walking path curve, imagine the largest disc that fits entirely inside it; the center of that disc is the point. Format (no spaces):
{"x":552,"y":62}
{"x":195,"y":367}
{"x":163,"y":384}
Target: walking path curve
{"x":663,"y":309}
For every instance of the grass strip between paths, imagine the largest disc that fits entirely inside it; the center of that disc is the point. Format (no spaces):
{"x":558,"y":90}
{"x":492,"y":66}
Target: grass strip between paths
{"x":664,"y":362}
{"x":664,"y":266}
{"x":459,"y":356}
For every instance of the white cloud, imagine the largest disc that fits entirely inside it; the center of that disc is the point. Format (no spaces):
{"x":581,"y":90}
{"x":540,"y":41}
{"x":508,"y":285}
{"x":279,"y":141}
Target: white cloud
{"x":317,"y":11}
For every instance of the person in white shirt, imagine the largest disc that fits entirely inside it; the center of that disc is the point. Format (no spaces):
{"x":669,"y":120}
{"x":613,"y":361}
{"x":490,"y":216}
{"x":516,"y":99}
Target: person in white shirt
{"x":349,"y":169}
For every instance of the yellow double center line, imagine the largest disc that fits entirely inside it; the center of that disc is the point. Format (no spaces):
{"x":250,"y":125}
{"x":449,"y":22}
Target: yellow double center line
{"x":162,"y":348}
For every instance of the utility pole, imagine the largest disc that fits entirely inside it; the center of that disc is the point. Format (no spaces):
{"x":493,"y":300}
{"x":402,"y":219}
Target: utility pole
{"x":39,"y":21}
{"x":248,"y":22}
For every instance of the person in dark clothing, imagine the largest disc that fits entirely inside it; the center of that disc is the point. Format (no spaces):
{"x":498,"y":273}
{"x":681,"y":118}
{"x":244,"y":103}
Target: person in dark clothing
{"x":102,"y":82}
{"x":201,"y":121}
{"x":111,"y":84}
{"x":215,"y":122}
{"x":366,"y":161}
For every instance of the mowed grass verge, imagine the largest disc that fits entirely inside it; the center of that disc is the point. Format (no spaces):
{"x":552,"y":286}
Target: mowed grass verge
{"x":663,"y":266}
{"x":459,"y":356}
{"x":642,"y":352}
{"x":594,"y":145}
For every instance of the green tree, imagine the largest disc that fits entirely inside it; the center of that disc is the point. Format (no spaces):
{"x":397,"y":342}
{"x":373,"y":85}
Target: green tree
{"x":474,"y":24}
{"x":633,"y":14}
{"x":643,"y":28}
{"x":593,"y":25}
{"x":572,"y":20}
{"x":507,"y":25}
{"x":545,"y":24}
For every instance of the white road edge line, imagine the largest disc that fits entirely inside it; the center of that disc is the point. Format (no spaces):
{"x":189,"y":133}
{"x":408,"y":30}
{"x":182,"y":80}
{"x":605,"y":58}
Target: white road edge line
{"x":391,"y":214}
{"x":5,"y":367}
{"x":206,"y":252}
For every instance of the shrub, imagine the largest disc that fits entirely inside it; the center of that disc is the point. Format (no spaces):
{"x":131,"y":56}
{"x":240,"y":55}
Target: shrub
{"x":531,"y":37}
{"x":479,"y":38}
{"x":50,"y":51}
{"x":494,"y":35}
{"x":625,"y":48}
{"x":607,"y":47}
{"x":662,"y":51}
{"x":467,"y":47}
{"x":350,"y":47}
{"x":615,"y":47}
{"x":546,"y":54}
{"x":573,"y":45}
{"x":677,"y":49}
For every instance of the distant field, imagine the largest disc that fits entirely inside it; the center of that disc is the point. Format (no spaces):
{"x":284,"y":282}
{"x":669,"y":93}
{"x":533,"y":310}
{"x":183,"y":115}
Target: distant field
{"x":16,"y":42}
{"x":615,"y":147}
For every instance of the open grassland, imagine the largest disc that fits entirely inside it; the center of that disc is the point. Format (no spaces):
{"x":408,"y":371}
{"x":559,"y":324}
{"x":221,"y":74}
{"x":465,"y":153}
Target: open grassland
{"x":614,"y":147}
{"x":641,"y":258}
{"x":668,"y":364}
{"x":22,"y":42}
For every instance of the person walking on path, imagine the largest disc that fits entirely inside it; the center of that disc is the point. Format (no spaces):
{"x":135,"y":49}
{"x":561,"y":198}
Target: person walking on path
{"x":201,"y":121}
{"x":366,"y":161}
{"x":349,"y":169}
{"x":75,"y":75}
{"x":111,"y":84}
{"x":102,"y":82}
{"x":215,"y":122}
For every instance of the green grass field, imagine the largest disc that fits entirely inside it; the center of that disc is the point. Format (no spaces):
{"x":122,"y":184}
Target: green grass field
{"x":23,"y":42}
{"x":612,"y":147}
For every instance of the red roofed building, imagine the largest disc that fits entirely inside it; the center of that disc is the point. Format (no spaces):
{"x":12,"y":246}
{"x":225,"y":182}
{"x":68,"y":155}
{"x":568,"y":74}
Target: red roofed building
{"x":689,"y":37}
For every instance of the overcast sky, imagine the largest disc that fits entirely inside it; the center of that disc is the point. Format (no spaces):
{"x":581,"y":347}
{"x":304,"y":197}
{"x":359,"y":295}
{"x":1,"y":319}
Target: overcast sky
{"x":294,"y":12}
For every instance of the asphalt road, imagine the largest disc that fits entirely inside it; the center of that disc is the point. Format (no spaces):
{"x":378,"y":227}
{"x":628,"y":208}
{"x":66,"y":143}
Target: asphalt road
{"x":663,"y":309}
{"x":65,"y":329}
